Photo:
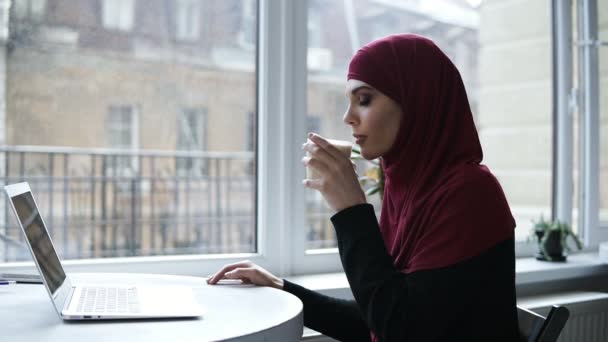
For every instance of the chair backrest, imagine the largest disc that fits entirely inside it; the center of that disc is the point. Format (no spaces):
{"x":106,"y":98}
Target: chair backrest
{"x":536,"y":328}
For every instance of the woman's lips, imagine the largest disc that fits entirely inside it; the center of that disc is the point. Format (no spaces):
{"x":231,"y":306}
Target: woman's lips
{"x":359,"y":139}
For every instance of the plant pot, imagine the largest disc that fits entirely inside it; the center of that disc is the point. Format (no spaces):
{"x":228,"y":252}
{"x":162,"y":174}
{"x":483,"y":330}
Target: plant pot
{"x":551,"y":247}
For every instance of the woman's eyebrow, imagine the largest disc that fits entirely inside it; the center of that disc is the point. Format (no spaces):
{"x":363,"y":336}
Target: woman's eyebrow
{"x":355,"y":90}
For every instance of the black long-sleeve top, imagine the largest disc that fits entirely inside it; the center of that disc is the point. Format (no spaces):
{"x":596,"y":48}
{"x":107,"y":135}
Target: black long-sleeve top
{"x":473,"y":300}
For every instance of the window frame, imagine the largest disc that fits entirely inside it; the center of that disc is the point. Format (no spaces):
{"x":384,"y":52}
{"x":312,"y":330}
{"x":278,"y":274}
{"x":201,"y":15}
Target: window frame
{"x":282,"y":98}
{"x":566,"y":99}
{"x":584,"y":99}
{"x":563,"y":111}
{"x":588,"y":45}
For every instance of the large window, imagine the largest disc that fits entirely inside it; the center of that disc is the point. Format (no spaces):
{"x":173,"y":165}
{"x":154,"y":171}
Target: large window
{"x":590,"y":106}
{"x":503,"y":56}
{"x":203,"y":106}
{"x":134,"y":144}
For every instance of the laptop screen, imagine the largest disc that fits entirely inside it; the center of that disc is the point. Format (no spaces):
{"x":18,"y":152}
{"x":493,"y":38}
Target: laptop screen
{"x":39,"y":240}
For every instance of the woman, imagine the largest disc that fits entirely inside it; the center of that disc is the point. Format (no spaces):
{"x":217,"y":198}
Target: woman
{"x":440,"y":265}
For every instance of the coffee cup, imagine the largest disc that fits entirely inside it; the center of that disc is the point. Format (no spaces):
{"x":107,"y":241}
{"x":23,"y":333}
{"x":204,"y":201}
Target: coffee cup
{"x":345,"y":148}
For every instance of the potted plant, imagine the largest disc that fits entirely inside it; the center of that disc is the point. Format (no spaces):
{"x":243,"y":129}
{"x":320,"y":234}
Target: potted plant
{"x":552,"y":239}
{"x":373,"y":178}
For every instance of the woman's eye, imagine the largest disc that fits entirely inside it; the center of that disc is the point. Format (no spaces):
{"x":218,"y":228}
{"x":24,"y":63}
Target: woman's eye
{"x":364,"y":100}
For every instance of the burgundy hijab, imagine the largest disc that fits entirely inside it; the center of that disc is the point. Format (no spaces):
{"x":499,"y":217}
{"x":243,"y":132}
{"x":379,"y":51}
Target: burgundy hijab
{"x":440,"y":205}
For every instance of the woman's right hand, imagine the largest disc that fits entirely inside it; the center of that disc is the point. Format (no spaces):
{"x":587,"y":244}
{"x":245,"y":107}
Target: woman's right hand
{"x":247,"y":272}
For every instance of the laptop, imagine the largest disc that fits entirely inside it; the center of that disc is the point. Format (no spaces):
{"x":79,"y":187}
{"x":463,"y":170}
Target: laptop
{"x":93,"y":301}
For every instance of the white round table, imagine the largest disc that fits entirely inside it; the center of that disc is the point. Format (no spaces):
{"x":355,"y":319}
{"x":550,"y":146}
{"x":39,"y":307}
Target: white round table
{"x":231,"y":313}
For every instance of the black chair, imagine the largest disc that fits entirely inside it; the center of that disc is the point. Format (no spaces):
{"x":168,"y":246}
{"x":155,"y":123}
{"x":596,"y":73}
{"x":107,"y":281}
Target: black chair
{"x":536,"y":328}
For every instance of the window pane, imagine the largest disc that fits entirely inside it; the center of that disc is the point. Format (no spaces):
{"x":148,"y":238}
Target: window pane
{"x":32,"y":9}
{"x":191,"y":137}
{"x":190,"y":130}
{"x":119,"y":127}
{"x":188,"y":19}
{"x":503,"y":51}
{"x":96,"y":92}
{"x":247,"y":34}
{"x":603,"y":58}
{"x":118,"y":14}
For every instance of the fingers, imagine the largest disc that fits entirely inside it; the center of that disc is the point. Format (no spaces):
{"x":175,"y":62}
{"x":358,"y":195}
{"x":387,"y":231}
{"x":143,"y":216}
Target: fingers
{"x":322,"y":153}
{"x":316,"y":184}
{"x":228,"y":268}
{"x":317,"y":152}
{"x":316,"y":164}
{"x":325,"y":145}
{"x":246,"y":273}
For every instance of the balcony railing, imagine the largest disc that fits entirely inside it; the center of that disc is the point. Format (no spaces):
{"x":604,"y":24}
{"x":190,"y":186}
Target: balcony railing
{"x":110,"y":203}
{"x":100,"y":203}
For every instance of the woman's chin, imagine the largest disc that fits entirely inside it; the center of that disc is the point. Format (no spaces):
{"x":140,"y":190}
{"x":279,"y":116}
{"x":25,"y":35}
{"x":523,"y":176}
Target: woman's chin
{"x":368,"y":155}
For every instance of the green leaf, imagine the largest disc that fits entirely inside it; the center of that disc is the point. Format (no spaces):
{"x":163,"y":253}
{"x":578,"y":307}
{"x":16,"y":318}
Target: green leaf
{"x":564,"y":230}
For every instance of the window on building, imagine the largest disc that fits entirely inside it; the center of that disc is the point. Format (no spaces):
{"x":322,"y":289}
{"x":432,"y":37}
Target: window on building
{"x":29,"y":9}
{"x":122,"y":135}
{"x":191,"y":137}
{"x":314,"y":26}
{"x":118,"y":14}
{"x":247,"y":32}
{"x":188,"y":14}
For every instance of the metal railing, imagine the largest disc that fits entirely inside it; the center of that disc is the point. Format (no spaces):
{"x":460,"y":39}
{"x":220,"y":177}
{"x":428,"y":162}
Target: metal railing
{"x":110,"y":203}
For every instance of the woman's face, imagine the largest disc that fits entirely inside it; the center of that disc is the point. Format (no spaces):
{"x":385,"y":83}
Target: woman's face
{"x":373,"y":117}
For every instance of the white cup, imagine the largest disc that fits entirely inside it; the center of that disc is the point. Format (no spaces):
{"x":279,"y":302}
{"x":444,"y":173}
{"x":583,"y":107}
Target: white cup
{"x":345,"y":147}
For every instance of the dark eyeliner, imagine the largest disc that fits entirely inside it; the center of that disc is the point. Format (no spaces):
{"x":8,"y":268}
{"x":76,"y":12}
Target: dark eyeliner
{"x":365,"y":100}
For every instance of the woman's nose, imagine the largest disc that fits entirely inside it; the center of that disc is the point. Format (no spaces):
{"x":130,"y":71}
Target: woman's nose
{"x":349,"y":117}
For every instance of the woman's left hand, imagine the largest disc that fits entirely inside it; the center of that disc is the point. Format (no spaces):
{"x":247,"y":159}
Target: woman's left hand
{"x":338,"y":182}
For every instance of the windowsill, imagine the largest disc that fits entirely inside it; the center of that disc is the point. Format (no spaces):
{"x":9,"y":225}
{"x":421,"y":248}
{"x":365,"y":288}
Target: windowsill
{"x":528,"y":271}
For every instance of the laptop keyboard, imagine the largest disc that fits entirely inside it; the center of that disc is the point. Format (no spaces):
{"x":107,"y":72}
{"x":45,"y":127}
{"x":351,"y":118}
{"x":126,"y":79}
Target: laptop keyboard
{"x":108,"y":300}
